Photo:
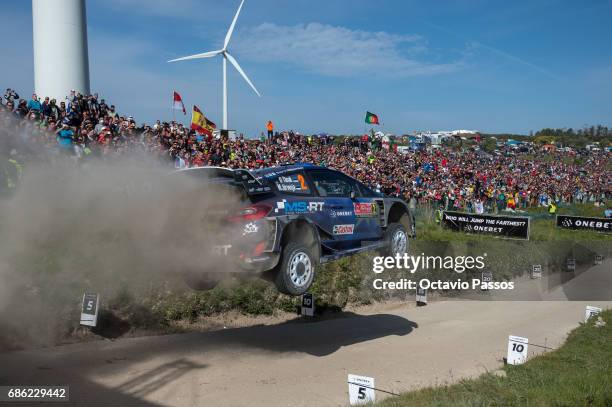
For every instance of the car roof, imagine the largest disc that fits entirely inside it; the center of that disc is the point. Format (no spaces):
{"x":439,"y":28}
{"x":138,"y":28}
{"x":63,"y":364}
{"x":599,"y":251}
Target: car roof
{"x":263,"y":172}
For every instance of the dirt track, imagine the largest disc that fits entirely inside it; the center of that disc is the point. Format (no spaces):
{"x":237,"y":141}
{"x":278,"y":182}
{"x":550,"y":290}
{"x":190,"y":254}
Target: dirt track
{"x":302,"y":363}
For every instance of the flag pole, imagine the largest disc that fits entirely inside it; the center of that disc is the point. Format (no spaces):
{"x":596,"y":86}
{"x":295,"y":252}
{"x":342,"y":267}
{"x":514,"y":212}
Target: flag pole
{"x":173,"y":112}
{"x":365,"y":125}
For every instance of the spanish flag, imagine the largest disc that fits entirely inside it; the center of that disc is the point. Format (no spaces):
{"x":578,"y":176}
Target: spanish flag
{"x":199,"y":122}
{"x":210,"y":124}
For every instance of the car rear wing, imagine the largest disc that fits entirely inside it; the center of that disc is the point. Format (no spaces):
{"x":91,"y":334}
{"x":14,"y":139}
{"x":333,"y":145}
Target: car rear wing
{"x":251,"y":185}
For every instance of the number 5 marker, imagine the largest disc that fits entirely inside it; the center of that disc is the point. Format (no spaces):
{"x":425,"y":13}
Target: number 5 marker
{"x":361,"y":390}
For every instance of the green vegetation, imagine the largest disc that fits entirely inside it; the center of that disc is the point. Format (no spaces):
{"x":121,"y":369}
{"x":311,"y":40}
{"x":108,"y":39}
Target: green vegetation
{"x":337,"y":285}
{"x":577,"y":374}
{"x":575,"y":138}
{"x":543,"y":227}
{"x":567,"y":137}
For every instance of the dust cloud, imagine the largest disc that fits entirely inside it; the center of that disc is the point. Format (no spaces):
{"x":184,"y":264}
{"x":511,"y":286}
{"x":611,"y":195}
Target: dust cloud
{"x":103,"y":227}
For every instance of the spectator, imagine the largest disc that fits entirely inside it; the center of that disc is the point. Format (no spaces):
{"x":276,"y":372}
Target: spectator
{"x":46,"y":107}
{"x":34,"y":104}
{"x":64,"y":138}
{"x":456,"y":178}
{"x":10,"y":95}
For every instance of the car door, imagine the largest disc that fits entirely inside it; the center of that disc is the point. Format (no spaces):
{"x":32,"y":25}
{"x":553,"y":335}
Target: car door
{"x":369,"y":213}
{"x":338,"y":216}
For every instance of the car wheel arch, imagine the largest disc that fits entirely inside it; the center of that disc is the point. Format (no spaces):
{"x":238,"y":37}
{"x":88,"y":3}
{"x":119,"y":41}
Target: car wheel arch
{"x":302,"y":229}
{"x":399,"y":213}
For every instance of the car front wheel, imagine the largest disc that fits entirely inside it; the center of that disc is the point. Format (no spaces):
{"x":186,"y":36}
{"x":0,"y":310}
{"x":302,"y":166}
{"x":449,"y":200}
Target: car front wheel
{"x":296,"y":269}
{"x":397,"y":240}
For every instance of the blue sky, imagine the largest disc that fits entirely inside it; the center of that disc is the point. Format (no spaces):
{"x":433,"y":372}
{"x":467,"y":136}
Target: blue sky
{"x":495,"y":66}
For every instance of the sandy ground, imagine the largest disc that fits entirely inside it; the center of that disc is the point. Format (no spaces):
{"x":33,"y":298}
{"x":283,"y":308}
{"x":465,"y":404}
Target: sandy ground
{"x":300,"y":363}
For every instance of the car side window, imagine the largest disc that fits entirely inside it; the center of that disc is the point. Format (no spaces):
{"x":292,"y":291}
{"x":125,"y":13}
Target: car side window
{"x":333,"y":184}
{"x":294,"y":183}
{"x":368,"y":192}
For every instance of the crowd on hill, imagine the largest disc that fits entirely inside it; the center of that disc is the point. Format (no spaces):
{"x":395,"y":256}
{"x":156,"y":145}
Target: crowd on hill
{"x":456,"y":178}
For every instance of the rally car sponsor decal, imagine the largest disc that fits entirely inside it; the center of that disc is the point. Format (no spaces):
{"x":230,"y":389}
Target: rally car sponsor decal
{"x":292,"y":183}
{"x":298,"y":207}
{"x":365,"y":209}
{"x":335,"y":214}
{"x":343,"y":229}
{"x":272,"y":174}
{"x":221,"y":250}
{"x":250,"y":228}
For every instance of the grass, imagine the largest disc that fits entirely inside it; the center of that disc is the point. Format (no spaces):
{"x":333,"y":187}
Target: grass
{"x":579,"y":373}
{"x":543,"y":228}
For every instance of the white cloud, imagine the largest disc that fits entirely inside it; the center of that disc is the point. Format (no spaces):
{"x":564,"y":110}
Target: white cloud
{"x":339,"y":51}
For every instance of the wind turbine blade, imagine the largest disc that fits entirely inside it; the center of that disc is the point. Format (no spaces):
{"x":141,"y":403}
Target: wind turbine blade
{"x":239,"y":69}
{"x":198,"y":56}
{"x":231,"y":29}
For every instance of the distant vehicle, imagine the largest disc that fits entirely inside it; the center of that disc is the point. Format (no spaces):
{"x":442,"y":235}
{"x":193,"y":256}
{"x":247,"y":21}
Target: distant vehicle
{"x":293,"y":218}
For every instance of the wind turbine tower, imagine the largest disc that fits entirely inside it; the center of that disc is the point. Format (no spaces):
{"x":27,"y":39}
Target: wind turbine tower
{"x":61,"y":61}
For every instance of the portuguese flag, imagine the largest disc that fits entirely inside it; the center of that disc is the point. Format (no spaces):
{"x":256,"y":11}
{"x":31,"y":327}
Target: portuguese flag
{"x":371,"y":118}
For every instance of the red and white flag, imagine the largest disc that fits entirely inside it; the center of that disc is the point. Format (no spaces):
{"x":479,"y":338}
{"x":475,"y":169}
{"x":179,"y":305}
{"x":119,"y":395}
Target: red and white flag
{"x":177,"y":104}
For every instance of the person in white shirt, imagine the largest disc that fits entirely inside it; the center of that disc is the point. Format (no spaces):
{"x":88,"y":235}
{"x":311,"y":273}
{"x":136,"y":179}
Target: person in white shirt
{"x":479,"y":207}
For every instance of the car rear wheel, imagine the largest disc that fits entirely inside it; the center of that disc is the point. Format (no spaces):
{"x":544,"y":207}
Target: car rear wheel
{"x":200,"y":282}
{"x":296,"y":269}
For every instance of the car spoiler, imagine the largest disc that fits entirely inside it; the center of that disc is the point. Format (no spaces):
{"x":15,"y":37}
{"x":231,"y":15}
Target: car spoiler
{"x":251,"y":185}
{"x":240,"y":176}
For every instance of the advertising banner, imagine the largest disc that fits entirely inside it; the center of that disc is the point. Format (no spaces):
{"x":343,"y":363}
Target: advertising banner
{"x":514,"y":227}
{"x":602,"y":225}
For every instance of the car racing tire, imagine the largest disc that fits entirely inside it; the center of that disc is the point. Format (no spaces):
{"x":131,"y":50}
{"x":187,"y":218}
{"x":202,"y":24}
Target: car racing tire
{"x":296,"y":269}
{"x":396,"y":237}
{"x":199,"y":282}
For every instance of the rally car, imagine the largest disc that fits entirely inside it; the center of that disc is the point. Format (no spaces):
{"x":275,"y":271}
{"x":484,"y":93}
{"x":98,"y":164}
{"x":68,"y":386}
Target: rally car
{"x":295,"y":217}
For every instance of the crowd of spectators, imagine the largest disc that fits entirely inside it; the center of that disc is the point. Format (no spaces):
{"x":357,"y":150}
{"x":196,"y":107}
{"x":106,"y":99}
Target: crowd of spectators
{"x":460,"y":178}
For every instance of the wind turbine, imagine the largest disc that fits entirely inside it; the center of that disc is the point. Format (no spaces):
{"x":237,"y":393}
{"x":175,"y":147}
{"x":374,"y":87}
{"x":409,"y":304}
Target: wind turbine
{"x":226,"y":57}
